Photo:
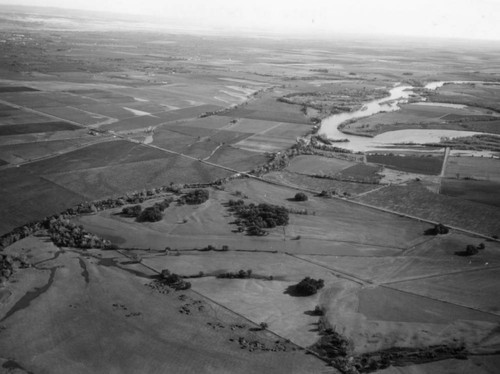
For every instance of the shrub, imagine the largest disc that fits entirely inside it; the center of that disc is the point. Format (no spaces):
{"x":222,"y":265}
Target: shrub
{"x":438,"y":229}
{"x":300,"y":196}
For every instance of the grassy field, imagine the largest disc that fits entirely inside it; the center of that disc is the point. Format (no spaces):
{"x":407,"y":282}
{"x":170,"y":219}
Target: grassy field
{"x":412,"y":164}
{"x":136,"y":328}
{"x":479,"y":191}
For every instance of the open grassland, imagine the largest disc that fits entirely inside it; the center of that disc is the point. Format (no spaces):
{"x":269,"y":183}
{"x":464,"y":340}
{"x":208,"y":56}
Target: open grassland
{"x":416,"y":200}
{"x":130,"y":327}
{"x":479,"y":191}
{"x":429,"y":165}
{"x":473,"y":167}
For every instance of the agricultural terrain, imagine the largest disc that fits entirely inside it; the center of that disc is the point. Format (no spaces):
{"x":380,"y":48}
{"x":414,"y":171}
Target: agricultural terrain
{"x":172,"y":202}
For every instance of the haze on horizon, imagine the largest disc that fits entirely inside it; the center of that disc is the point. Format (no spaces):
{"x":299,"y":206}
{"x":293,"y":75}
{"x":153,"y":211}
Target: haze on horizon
{"x":461,"y":19}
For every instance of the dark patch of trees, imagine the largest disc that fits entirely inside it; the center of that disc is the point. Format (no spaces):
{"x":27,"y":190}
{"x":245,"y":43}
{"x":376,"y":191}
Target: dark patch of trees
{"x":471,"y":250}
{"x":438,"y":229}
{"x":198,"y":196}
{"x":255,"y":218}
{"x":300,"y":196}
{"x":9,"y":264}
{"x":132,"y":211}
{"x":151,"y":214}
{"x":174,"y":281}
{"x":65,"y":233}
{"x":242,"y":274}
{"x":308,"y":286}
{"x":154,"y":213}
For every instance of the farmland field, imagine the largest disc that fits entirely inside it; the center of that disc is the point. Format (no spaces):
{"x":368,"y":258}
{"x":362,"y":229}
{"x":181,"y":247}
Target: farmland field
{"x":479,"y":191}
{"x":30,"y":128}
{"x":473,"y":167}
{"x":412,"y":164}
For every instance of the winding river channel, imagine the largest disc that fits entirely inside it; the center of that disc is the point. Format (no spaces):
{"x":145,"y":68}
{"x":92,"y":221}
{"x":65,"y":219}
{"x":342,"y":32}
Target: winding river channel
{"x":386,"y":141}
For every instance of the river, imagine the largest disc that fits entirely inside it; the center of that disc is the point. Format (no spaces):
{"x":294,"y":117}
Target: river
{"x":385,"y":141}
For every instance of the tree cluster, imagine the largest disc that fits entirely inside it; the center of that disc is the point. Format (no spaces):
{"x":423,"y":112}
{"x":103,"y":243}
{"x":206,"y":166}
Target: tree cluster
{"x":242,"y":274}
{"x":255,"y":218}
{"x":309,"y":286}
{"x":153,"y":213}
{"x":471,"y":250}
{"x":65,"y":233}
{"x":132,"y":211}
{"x":8,"y":265}
{"x":300,"y":196}
{"x":198,"y":196}
{"x":174,"y":281}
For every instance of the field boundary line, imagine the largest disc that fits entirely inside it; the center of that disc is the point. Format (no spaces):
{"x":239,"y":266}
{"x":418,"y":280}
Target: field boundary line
{"x":338,"y":273}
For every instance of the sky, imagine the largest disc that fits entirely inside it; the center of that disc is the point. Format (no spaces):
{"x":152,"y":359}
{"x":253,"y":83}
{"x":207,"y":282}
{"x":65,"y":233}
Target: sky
{"x":465,"y":19}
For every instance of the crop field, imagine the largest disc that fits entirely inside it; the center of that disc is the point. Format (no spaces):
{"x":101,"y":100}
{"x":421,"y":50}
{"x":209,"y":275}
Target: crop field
{"x":100,"y":182}
{"x":75,"y":115}
{"x":314,"y":165}
{"x":31,"y":128}
{"x":237,"y":159}
{"x":97,"y":155}
{"x":16,"y":89}
{"x":361,"y":172}
{"x":479,"y":191}
{"x":473,"y":167}
{"x":320,"y":184}
{"x":268,"y":108}
{"x":16,"y":153}
{"x":416,"y":200}
{"x":26,"y":198}
{"x":429,"y":165}
{"x":19,"y":117}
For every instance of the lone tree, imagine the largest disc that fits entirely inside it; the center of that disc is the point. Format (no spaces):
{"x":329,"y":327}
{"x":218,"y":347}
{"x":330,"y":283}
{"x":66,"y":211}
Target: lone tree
{"x":300,"y":196}
{"x":263,"y":325}
{"x":438,"y":229}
